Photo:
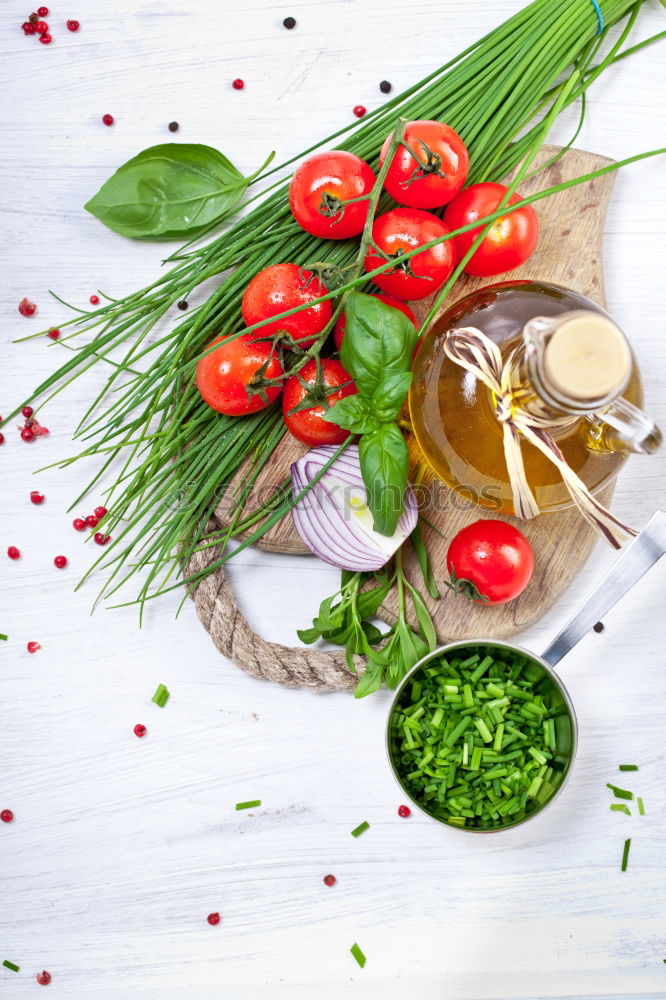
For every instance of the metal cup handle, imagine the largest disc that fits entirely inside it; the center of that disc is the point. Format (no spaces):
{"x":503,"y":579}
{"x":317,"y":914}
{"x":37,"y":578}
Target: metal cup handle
{"x":633,"y":562}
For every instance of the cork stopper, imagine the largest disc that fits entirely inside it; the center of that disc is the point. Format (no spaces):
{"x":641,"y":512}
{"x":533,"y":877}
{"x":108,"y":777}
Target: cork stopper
{"x":587,"y":357}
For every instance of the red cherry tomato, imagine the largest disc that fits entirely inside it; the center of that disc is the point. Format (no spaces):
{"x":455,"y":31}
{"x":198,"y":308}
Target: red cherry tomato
{"x":308,"y":425}
{"x":318,"y":187}
{"x":438,"y":174}
{"x":341,"y":322}
{"x":490,"y":559}
{"x":400,"y":230}
{"x":511,"y":238}
{"x":281,"y":287}
{"x":225,"y":375}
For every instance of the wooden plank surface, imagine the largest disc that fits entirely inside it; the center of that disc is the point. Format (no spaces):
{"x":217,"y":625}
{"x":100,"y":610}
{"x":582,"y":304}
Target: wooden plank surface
{"x":569,"y":252}
{"x":120,"y":847}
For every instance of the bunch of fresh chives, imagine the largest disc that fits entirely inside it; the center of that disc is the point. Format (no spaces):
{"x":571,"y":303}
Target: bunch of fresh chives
{"x":173,"y":454}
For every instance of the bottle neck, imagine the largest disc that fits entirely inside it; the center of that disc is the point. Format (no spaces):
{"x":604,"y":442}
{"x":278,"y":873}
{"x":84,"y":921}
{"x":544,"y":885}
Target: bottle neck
{"x":571,"y":365}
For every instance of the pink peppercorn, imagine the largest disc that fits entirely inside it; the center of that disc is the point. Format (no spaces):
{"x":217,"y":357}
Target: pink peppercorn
{"x":6,"y":815}
{"x":359,"y":110}
{"x":73,"y":25}
{"x":329,"y":880}
{"x":140,"y":730}
{"x":404,"y":811}
{"x":213,"y":919}
{"x":238,"y":84}
{"x":107,"y":119}
{"x":43,"y":978}
{"x":13,"y":552}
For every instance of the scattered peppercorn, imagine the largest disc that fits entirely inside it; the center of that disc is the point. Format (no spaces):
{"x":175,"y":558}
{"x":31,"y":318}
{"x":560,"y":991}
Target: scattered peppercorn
{"x":182,"y":305}
{"x":27,"y":434}
{"x":43,"y":978}
{"x":107,"y":119}
{"x":79,"y":524}
{"x":100,"y":512}
{"x":94,"y":299}
{"x":13,"y":552}
{"x":60,"y":562}
{"x":73,"y":25}
{"x":33,"y":647}
{"x":140,"y":730}
{"x":238,"y":84}
{"x":27,"y":412}
{"x":359,"y":110}
{"x":45,"y":39}
{"x":385,"y":87}
{"x":173,"y":126}
{"x":6,"y":815}
{"x":53,"y":334}
{"x":2,"y":438}
{"x":213,"y":919}
{"x":26,"y":307}
{"x":41,"y":27}
{"x":101,"y":538}
{"x":289,"y":23}
{"x":329,"y":880}
{"x":599,"y":627}
{"x":404,"y":811}
{"x":91,"y":521}
{"x":28,"y":28}
{"x":36,"y":497}
{"x":43,"y":11}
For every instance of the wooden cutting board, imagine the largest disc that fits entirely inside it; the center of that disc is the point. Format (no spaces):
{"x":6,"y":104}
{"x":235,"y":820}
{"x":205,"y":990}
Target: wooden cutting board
{"x":569,"y":253}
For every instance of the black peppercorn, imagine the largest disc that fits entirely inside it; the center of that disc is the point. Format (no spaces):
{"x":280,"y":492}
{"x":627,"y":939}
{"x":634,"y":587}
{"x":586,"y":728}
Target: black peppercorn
{"x":173,"y":126}
{"x":599,"y":627}
{"x":385,"y":87}
{"x":182,"y":305}
{"x":289,"y":23}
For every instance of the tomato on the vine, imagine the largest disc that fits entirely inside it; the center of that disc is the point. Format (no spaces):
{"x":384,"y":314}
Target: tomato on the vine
{"x":399,"y":231}
{"x":510,"y":239}
{"x":281,"y":287}
{"x":312,"y":391}
{"x":319,"y":187}
{"x":341,"y":322}
{"x":227,"y":376}
{"x":434,"y":172}
{"x":490,"y":561}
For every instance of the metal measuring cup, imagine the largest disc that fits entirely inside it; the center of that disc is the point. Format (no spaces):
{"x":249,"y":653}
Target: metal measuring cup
{"x":633,"y":562}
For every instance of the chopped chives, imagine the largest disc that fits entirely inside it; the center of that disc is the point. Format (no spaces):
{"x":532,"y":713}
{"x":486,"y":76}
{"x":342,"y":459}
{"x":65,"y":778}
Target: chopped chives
{"x":358,"y":954}
{"x":161,"y":695}
{"x":10,"y":965}
{"x":641,"y":807}
{"x":490,"y":754}
{"x":252,"y":804}
{"x":628,"y":767}
{"x":3,"y":636}
{"x":625,"y":854}
{"x":619,"y":793}
{"x":361,"y":828}
{"x":620,"y":807}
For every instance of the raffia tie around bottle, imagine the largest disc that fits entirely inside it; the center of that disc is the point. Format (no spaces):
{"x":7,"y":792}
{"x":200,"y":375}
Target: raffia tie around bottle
{"x":474,"y":351}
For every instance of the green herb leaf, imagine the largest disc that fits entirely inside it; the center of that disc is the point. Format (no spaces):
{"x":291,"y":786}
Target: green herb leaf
{"x":389,"y":397}
{"x":379,"y":341}
{"x":353,"y":413}
{"x":625,"y":854}
{"x":169,"y":191}
{"x":10,"y":965}
{"x":252,"y":804}
{"x":371,"y":679}
{"x":361,"y":828}
{"x":384,"y":463}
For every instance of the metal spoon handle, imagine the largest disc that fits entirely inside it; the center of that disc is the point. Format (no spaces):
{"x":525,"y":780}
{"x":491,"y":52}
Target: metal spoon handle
{"x":635,"y":560}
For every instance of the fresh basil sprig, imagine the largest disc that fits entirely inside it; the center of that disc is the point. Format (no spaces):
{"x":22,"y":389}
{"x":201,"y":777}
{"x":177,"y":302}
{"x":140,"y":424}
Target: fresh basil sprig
{"x":170,"y":191}
{"x":377,"y":352}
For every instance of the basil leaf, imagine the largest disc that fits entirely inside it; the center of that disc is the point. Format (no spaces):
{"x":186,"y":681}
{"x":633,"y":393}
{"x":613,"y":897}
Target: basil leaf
{"x":389,"y":396}
{"x":354,"y":414}
{"x":384,"y":463}
{"x":169,"y":191}
{"x":378,"y":341}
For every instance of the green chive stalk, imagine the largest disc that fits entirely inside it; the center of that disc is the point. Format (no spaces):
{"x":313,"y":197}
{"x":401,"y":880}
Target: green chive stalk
{"x":173,"y":456}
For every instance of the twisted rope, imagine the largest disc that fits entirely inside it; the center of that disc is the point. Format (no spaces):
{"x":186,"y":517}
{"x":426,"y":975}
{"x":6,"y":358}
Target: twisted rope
{"x":218,"y":611}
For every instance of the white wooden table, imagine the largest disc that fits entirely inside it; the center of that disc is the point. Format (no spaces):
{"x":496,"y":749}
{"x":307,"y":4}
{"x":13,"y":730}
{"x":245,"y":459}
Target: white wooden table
{"x":121,"y":847}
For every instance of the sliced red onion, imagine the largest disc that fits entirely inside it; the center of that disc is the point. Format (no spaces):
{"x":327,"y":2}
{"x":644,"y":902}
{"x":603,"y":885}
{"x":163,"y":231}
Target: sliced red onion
{"x":333,"y":519}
